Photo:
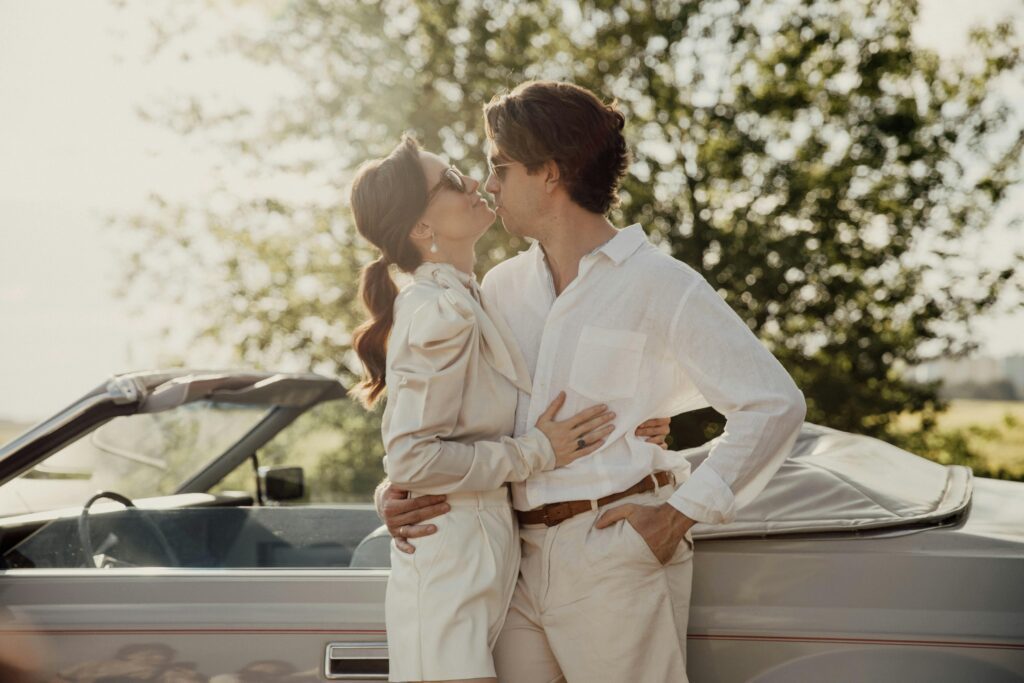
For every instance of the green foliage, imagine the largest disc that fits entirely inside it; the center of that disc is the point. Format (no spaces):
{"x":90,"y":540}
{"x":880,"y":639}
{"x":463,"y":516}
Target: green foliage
{"x":814,"y":163}
{"x":338,"y":446}
{"x":985,"y":435}
{"x":954,"y":447}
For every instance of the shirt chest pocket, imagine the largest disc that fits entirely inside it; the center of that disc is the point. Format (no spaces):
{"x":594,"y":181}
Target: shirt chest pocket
{"x":607,"y":363}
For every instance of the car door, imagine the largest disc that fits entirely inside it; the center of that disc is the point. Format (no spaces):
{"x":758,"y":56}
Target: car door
{"x":293,"y":624}
{"x":192,"y":585}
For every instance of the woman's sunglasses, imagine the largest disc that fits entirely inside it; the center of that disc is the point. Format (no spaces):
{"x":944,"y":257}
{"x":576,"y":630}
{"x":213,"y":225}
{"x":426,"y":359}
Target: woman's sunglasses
{"x":450,"y":179}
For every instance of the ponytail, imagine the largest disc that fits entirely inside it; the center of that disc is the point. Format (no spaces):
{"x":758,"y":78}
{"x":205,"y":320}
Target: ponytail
{"x":388,"y":196}
{"x":370,"y":340}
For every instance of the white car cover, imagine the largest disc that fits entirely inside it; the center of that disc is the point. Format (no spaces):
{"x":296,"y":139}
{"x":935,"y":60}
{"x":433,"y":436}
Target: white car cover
{"x":835,"y":481}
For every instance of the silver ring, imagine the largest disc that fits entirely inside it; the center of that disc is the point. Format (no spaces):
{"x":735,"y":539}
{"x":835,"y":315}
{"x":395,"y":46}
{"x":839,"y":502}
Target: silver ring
{"x":401,"y":531}
{"x":581,"y":444}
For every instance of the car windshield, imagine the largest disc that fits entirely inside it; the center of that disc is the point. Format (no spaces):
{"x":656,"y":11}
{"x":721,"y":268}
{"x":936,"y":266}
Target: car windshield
{"x":138,"y":456}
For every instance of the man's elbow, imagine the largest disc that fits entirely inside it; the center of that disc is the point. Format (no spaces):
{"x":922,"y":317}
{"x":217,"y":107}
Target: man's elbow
{"x":794,"y":408}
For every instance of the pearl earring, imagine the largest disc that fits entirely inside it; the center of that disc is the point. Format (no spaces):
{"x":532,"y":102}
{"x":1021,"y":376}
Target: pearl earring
{"x":433,"y":245}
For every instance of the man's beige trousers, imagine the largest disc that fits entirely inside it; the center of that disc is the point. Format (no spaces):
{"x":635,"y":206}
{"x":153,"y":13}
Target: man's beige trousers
{"x":595,"y":605}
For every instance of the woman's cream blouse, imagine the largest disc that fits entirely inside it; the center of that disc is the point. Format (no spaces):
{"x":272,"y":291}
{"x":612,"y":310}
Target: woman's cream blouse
{"x":452,"y":376}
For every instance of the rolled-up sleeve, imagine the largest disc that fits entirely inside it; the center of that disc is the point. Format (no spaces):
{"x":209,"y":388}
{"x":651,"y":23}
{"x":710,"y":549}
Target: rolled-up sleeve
{"x":742,"y":380}
{"x":427,"y":379}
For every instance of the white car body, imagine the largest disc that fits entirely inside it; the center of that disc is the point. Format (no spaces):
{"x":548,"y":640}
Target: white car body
{"x":858,"y":562}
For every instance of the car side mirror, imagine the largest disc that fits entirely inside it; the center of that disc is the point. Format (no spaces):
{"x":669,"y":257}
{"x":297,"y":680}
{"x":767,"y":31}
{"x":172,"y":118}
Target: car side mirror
{"x":282,"y":483}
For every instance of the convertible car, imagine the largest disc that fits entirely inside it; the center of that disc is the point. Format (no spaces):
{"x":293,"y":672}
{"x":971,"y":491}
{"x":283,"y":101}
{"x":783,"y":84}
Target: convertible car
{"x":142,"y":539}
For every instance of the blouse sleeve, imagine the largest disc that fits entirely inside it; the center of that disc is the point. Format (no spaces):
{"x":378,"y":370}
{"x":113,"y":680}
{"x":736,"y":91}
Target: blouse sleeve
{"x":426,"y":382}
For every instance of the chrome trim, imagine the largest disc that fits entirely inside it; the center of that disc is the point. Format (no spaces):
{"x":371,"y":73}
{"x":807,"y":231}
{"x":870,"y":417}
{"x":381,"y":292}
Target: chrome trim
{"x":367,"y":651}
{"x":125,"y":389}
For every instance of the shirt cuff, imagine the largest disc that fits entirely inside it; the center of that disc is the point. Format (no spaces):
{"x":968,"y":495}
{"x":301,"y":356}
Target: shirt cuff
{"x":537,"y":450}
{"x":704,"y":497}
{"x":378,"y":499}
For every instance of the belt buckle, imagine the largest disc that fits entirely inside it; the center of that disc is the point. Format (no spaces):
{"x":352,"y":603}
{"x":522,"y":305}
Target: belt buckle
{"x":668,"y":474}
{"x":556,"y":513}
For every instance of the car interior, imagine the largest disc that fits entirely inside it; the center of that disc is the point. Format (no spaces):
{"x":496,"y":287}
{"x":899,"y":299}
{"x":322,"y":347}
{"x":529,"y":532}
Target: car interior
{"x":169,"y":485}
{"x":228,"y":530}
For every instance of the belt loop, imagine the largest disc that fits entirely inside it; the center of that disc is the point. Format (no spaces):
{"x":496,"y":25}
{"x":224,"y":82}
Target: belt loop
{"x":655,"y":480}
{"x":593,"y":503}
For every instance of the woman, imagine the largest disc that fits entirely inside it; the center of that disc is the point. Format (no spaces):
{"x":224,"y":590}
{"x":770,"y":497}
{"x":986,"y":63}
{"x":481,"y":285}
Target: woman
{"x":452,"y":373}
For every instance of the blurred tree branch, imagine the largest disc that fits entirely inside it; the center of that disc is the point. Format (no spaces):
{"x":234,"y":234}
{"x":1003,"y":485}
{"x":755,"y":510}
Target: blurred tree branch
{"x":815,"y":164}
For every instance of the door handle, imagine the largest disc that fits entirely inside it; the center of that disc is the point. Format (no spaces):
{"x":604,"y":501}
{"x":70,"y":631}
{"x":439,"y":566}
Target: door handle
{"x":356,"y":661}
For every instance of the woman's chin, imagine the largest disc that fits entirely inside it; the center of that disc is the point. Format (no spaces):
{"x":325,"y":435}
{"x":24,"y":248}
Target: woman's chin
{"x":485,"y":225}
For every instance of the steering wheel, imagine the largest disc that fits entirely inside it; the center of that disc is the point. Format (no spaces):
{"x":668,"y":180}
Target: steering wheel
{"x":85,"y":536}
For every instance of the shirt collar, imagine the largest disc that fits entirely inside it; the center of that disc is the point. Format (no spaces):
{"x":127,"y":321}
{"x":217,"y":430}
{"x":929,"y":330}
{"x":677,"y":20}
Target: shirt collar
{"x":618,"y":249}
{"x":624,"y":244}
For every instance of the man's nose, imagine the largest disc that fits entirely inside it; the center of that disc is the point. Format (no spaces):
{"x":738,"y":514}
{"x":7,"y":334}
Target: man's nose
{"x":492,"y":185}
{"x":472,"y":184}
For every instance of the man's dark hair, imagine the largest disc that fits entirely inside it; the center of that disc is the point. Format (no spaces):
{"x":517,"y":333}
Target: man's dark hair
{"x":541,"y":121}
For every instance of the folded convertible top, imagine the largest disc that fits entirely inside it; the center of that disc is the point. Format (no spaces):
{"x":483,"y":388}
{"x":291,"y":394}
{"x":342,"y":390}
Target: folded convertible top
{"x":836,"y":481}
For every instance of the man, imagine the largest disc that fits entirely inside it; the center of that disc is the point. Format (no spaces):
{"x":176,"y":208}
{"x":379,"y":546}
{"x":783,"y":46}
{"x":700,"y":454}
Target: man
{"x":604,"y":586}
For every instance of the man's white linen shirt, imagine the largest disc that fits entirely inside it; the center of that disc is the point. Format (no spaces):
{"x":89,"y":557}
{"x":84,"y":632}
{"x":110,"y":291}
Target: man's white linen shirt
{"x":647,"y":335}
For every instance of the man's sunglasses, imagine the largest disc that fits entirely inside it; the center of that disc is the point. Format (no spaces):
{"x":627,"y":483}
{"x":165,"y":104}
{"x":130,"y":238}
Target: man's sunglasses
{"x":498,"y":170}
{"x":450,"y":179}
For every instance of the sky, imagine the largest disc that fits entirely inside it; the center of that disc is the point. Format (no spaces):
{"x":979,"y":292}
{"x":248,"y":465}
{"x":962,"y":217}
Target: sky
{"x":73,"y":151}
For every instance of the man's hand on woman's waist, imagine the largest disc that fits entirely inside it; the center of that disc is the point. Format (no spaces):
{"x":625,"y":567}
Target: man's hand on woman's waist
{"x":404,"y":516}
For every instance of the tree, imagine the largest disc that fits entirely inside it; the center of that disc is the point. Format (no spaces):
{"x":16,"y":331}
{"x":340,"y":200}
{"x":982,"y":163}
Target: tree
{"x":814,"y":163}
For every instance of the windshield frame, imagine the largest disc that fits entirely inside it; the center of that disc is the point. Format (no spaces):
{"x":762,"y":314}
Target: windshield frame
{"x":285,"y":396}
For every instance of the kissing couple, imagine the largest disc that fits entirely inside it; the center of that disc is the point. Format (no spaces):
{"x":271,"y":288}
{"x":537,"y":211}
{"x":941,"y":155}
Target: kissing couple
{"x":522,"y":412}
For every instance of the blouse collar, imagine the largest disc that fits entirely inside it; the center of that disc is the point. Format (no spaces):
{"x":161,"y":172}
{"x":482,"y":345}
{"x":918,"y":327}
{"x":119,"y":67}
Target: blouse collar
{"x":440,"y":272}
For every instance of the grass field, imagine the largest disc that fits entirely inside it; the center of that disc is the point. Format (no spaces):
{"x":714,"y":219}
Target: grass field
{"x":1001,"y":439}
{"x":1002,"y":444}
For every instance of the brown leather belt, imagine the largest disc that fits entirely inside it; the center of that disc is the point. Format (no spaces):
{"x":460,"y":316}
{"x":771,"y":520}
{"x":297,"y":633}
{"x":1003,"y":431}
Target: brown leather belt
{"x":556,"y":513}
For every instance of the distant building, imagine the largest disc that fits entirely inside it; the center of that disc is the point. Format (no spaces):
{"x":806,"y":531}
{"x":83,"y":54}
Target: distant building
{"x":996,"y":378}
{"x":1014,"y":366}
